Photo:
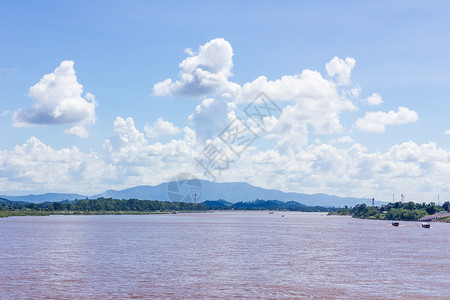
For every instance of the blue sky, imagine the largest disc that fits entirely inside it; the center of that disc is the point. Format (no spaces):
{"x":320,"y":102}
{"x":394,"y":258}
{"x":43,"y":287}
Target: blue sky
{"x":119,"y":50}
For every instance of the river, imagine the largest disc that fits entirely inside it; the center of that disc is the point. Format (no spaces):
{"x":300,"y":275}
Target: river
{"x":246,"y":255}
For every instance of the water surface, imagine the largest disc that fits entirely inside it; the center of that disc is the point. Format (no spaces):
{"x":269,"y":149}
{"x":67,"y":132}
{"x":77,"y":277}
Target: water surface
{"x":222,"y":255}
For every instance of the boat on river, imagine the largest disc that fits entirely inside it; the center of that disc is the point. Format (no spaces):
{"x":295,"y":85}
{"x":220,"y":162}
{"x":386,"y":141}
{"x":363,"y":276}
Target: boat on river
{"x":426,"y":225}
{"x":395,"y":223}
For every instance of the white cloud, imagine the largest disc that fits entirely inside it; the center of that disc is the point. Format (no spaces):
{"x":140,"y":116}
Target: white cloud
{"x":126,"y":142}
{"x":35,"y":166}
{"x":212,"y":116}
{"x":58,"y":100}
{"x":189,"y":51}
{"x":77,"y":130}
{"x":129,"y":159}
{"x":160,"y":127}
{"x":342,"y":139}
{"x":309,"y":102}
{"x":203,"y":74}
{"x":377,"y":121}
{"x":374,"y":99}
{"x":405,"y":168}
{"x":133,"y":155}
{"x":340,"y":68}
{"x":447,"y":131}
{"x":163,"y":88}
{"x":313,"y":100}
{"x":355,"y":92}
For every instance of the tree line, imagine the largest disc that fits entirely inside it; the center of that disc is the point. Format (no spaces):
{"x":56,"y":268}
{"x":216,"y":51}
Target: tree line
{"x":408,"y":211}
{"x":265,"y":205}
{"x":105,"y":204}
{"x":135,"y":205}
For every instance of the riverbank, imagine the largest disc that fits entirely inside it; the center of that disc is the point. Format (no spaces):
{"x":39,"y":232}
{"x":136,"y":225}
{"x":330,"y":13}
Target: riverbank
{"x":439,"y":217}
{"x":109,"y":206}
{"x":20,"y":213}
{"x":23,"y":213}
{"x":397,"y":212}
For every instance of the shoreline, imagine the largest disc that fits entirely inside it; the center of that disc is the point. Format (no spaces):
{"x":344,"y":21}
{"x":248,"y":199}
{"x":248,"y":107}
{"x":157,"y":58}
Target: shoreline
{"x":6,"y":214}
{"x":436,"y":220}
{"x":30,"y":213}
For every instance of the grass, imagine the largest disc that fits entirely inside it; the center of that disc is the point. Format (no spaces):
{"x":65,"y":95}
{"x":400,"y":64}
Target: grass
{"x":108,"y":212}
{"x":21,"y":213}
{"x":378,"y":217}
{"x":444,"y":219}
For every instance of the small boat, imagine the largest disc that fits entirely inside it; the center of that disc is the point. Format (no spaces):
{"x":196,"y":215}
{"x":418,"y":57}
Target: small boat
{"x":426,"y":225}
{"x":395,"y":223}
{"x":270,"y":212}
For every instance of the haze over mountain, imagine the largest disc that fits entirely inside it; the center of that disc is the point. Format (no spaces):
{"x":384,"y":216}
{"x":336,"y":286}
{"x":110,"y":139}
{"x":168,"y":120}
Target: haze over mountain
{"x":47,"y":197}
{"x":230,"y":191}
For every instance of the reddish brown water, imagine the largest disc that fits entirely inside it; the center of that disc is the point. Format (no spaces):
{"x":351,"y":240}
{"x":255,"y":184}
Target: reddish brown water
{"x":222,"y":255}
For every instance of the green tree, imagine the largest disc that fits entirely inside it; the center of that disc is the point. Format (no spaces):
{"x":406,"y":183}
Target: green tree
{"x":431,"y":209}
{"x":446,"y":206}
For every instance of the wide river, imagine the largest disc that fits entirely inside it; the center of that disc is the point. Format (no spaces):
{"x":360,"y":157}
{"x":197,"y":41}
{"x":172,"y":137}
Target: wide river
{"x":221,"y":255}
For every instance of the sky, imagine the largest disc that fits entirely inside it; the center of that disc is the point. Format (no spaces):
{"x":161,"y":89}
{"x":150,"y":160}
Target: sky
{"x":341,"y":97}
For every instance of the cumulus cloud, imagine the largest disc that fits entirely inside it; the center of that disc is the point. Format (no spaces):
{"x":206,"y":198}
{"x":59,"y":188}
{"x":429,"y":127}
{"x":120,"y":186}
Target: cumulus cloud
{"x":355,"y":92}
{"x":130,"y":159}
{"x":133,"y":155}
{"x":35,"y":166}
{"x":160,"y":127}
{"x":447,"y":131}
{"x":351,"y":170}
{"x":58,"y":100}
{"x":342,"y":139}
{"x":309,"y":101}
{"x":317,"y":101}
{"x":126,"y":142}
{"x":312,"y":99}
{"x":212,"y":116}
{"x":202,"y":74}
{"x":77,"y":130}
{"x":374,"y":99}
{"x":341,"y":68}
{"x":377,"y":121}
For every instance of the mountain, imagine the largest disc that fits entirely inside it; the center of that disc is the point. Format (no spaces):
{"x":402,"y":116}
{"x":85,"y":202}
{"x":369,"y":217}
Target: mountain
{"x":142,"y":192}
{"x":6,"y":201}
{"x":235,"y":192}
{"x":240,"y":191}
{"x":49,"y":197}
{"x":204,"y":190}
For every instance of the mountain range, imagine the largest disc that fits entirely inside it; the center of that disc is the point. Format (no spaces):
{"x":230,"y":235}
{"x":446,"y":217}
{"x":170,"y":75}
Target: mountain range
{"x":203,"y":190}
